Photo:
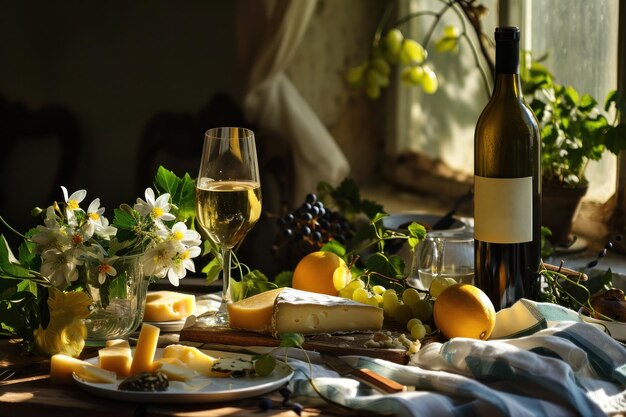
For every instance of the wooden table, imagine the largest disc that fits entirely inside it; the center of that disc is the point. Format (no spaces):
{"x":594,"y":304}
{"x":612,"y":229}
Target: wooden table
{"x":33,"y":395}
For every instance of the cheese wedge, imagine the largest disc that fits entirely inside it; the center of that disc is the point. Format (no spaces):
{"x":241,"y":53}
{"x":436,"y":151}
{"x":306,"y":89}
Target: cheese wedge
{"x":168,"y":306}
{"x":287,"y":310}
{"x":62,"y":367}
{"x":193,"y":358}
{"x":145,"y":349}
{"x":116,"y":358}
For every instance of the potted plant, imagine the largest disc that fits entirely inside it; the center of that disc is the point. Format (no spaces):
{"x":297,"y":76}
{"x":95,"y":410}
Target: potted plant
{"x":573,"y":132}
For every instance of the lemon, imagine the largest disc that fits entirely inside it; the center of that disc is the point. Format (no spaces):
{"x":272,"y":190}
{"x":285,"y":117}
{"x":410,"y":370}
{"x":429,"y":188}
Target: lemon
{"x":463,"y":310}
{"x":321,"y":272}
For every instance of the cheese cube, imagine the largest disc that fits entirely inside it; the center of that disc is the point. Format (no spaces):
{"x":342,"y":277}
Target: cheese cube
{"x":193,"y":358}
{"x":287,"y":310}
{"x":145,"y":349}
{"x":168,"y":306}
{"x":62,"y":367}
{"x":92,"y":373}
{"x":116,"y":358}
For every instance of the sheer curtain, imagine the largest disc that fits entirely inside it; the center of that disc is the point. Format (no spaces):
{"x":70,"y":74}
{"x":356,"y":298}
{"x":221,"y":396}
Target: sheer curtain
{"x":271,"y":100}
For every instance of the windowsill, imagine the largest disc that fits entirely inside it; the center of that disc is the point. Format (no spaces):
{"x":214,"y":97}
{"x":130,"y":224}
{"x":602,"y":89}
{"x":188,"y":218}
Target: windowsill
{"x":398,"y":201}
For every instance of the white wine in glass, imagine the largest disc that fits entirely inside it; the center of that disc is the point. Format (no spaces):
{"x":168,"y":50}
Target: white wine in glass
{"x":228,"y":197}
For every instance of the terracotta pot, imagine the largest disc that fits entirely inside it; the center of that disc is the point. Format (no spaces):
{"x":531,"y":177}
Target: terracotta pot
{"x":560,"y":206}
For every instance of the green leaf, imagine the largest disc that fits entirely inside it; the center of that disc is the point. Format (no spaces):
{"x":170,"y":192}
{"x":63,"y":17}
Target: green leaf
{"x":571,"y":95}
{"x":291,"y":340}
{"x":389,"y":267}
{"x":417,"y":233}
{"x":334,"y":247}
{"x":587,"y":103}
{"x":264,"y":365}
{"x":237,"y":290}
{"x":255,"y":282}
{"x":182,"y":193}
{"x":212,"y":270}
{"x":283,"y":279}
{"x":9,"y":264}
{"x":166,"y":181}
{"x":611,"y":98}
{"x":371,"y":208}
{"x":124,"y":220}
{"x":378,"y":217}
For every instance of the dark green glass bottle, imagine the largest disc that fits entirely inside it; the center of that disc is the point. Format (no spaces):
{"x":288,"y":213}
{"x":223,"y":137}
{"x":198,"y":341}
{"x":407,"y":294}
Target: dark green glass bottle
{"x":507,"y":185}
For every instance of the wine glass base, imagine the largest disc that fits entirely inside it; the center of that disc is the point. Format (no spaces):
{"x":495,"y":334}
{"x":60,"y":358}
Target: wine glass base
{"x":218,"y":318}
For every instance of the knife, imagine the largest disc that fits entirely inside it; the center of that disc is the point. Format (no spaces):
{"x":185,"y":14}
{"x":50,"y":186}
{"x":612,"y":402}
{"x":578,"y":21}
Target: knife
{"x":364,"y":375}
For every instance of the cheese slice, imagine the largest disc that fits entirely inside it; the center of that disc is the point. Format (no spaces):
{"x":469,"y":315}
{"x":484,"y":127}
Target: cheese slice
{"x":92,"y":373}
{"x":116,"y":358}
{"x":168,"y":306}
{"x":117,"y":343}
{"x":176,"y":372}
{"x":287,"y":310}
{"x":145,"y":349}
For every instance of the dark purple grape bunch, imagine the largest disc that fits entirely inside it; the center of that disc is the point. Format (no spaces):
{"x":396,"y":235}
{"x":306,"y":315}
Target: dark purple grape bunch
{"x":315,"y":224}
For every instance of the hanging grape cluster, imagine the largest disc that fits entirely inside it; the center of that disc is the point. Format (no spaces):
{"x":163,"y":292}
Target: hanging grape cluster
{"x":314,"y":225}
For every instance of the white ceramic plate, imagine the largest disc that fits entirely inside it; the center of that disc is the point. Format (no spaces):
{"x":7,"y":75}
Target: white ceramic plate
{"x":168,"y":326}
{"x":616,"y":329}
{"x":199,"y":389}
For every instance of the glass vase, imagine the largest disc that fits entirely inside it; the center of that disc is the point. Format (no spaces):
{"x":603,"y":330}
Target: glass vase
{"x":118,"y":304}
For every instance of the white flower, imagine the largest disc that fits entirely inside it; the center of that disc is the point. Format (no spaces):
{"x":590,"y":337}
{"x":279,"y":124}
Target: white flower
{"x":157,"y":208}
{"x":182,"y":236}
{"x":181,"y":263}
{"x":74,"y":200}
{"x":94,"y":213}
{"x":158,"y":259}
{"x":105,"y":268}
{"x":59,"y":267}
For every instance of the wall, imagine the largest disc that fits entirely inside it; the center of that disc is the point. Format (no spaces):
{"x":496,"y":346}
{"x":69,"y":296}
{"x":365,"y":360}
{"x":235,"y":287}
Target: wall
{"x":113,"y":64}
{"x":339,"y":38}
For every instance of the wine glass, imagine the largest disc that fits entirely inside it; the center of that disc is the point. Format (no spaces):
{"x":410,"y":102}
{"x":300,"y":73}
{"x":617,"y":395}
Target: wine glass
{"x":445,"y":254}
{"x":228,"y":197}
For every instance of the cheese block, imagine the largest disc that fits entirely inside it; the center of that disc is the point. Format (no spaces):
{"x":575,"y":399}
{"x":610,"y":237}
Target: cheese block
{"x":116,"y":358}
{"x":62,"y":367}
{"x":145,"y":349}
{"x":92,"y":373}
{"x":287,"y":310}
{"x":168,"y":306}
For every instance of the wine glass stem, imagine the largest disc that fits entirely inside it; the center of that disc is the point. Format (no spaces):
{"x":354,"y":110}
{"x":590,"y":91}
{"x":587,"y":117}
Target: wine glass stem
{"x":226,"y":295}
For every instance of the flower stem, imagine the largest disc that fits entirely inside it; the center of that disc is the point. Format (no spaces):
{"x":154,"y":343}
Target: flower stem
{"x":8,"y":226}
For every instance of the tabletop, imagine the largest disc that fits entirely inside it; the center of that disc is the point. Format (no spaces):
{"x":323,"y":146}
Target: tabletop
{"x":29,"y":393}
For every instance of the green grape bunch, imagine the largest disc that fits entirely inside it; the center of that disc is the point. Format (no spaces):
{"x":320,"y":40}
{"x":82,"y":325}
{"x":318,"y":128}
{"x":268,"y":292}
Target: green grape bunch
{"x":392,"y":47}
{"x":374,"y":74}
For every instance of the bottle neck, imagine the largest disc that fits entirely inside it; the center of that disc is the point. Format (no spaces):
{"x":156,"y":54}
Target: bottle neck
{"x":507,"y":78}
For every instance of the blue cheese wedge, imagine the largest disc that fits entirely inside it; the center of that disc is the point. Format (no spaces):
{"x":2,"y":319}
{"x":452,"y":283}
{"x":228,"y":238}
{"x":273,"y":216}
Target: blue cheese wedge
{"x":287,"y":310}
{"x":234,"y":367}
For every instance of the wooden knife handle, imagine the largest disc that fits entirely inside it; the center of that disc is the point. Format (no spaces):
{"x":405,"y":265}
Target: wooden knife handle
{"x":377,"y":381}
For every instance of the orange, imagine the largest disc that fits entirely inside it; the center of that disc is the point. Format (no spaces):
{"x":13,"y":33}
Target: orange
{"x":463,"y":310}
{"x":321,"y":272}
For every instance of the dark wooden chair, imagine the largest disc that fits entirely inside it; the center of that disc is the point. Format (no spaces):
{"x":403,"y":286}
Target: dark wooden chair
{"x":40,"y":150}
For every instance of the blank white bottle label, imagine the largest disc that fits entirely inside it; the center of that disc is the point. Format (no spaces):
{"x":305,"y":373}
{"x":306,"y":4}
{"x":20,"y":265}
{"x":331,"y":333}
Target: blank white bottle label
{"x":503,"y":209}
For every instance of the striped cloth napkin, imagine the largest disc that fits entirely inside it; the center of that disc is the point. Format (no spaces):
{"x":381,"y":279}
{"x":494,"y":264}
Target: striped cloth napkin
{"x":543,"y":361}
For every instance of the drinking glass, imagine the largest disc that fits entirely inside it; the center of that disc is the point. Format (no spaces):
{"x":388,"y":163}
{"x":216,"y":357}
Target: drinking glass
{"x":443,"y":254}
{"x":228,"y":197}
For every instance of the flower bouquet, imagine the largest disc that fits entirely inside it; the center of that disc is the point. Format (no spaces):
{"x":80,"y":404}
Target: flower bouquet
{"x":79,"y":278}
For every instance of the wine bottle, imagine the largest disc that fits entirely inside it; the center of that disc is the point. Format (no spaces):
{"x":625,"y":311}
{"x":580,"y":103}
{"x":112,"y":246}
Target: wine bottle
{"x":507,"y":185}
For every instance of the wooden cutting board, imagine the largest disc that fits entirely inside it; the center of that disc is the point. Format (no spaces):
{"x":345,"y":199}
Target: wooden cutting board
{"x":350,"y":344}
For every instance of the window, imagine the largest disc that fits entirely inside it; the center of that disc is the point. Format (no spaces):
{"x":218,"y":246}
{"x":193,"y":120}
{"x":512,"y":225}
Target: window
{"x":580,"y":40}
